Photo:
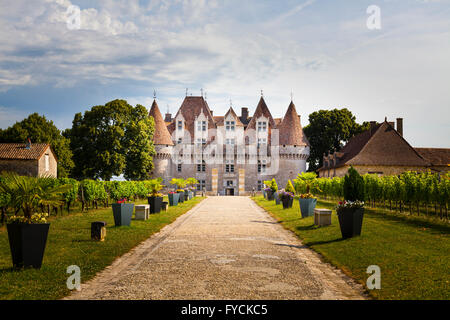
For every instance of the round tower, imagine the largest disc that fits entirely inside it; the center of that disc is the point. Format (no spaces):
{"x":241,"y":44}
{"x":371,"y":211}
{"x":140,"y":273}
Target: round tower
{"x":163,"y":146}
{"x":294,"y":146}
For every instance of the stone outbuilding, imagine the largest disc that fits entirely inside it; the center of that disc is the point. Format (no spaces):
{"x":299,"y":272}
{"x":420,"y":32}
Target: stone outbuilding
{"x":29,"y":159}
{"x":382,"y":150}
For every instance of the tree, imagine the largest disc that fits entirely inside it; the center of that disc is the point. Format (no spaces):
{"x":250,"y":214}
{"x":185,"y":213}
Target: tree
{"x":28,"y":193}
{"x":41,"y":130}
{"x":110,"y":140}
{"x":329,"y":130}
{"x":139,"y":141}
{"x":353,"y":186}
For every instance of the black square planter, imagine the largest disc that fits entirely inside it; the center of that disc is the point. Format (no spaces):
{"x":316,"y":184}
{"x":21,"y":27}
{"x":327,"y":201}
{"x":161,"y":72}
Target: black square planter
{"x":155,"y":204}
{"x":27,"y":243}
{"x":350,"y":222}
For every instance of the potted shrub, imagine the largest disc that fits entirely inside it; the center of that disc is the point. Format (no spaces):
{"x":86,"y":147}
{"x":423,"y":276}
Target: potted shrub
{"x":174,"y":197}
{"x":272,"y":188}
{"x":122,"y":212}
{"x":27,"y":234}
{"x":287,"y":199}
{"x":155,"y":198}
{"x":277,"y":198}
{"x":307,"y":203}
{"x":290,"y":188}
{"x":351,"y":211}
{"x":192,"y":182}
{"x":180,"y":183}
{"x":306,"y":199}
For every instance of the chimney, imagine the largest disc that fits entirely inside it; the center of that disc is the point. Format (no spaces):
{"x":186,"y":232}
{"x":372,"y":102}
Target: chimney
{"x":168,"y":117}
{"x":28,"y":145}
{"x":300,"y":119}
{"x":212,"y":115}
{"x":373,"y":124}
{"x":400,"y":126}
{"x":244,"y":114}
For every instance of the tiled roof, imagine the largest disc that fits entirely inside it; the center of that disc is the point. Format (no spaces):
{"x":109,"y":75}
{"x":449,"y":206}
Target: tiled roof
{"x":381,"y":146}
{"x":162,"y":135}
{"x":261,"y":110}
{"x":233,"y":114}
{"x":18,"y":151}
{"x":191,"y":109}
{"x":436,"y":156}
{"x":218,"y":120}
{"x":290,"y":129}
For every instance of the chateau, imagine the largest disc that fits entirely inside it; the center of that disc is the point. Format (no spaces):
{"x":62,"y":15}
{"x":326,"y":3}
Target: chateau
{"x":230,"y":154}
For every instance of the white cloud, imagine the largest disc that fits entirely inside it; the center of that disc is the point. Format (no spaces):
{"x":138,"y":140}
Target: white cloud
{"x":233,"y":50}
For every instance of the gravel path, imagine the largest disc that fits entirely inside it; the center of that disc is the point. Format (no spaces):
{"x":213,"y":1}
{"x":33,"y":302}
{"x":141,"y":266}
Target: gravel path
{"x":224,"y":248}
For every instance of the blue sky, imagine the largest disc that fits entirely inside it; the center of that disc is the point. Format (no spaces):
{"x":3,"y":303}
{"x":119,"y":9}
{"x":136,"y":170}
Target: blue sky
{"x":321,"y":50}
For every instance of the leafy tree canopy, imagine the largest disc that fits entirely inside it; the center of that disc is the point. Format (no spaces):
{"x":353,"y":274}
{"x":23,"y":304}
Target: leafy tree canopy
{"x":112,"y":139}
{"x":329,"y":130}
{"x":41,"y":130}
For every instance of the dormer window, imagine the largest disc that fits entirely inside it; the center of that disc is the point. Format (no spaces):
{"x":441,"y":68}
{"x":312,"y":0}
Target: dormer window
{"x":230,"y":125}
{"x":262,"y":126}
{"x":180,"y":125}
{"x":201,"y":125}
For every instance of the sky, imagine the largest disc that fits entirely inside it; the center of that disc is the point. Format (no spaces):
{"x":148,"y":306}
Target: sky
{"x":320,"y":51}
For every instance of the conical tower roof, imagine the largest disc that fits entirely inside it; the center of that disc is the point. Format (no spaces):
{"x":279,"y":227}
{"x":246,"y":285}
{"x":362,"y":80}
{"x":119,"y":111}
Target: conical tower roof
{"x":261,"y":110}
{"x":291,"y":131}
{"x":162,"y":135}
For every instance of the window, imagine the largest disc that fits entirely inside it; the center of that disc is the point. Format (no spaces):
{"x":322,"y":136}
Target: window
{"x":262,"y":126}
{"x":201,"y":125}
{"x":180,"y":140}
{"x":201,"y":184}
{"x":261,"y":166}
{"x":261,"y":141}
{"x":259,"y":185}
{"x":229,"y":183}
{"x":229,"y":168}
{"x":180,"y":125}
{"x":201,"y":141}
{"x":47,"y":162}
{"x":230,"y":141}
{"x":229,"y":125}
{"x":179,"y":167}
{"x":201,"y":167}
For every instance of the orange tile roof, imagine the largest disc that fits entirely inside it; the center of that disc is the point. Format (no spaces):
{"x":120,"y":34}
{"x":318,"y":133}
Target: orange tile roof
{"x":291,"y":131}
{"x":162,"y":135}
{"x":18,"y":151}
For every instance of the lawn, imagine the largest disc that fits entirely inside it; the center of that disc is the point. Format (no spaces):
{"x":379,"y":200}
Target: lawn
{"x":413,"y":254}
{"x":69,"y":243}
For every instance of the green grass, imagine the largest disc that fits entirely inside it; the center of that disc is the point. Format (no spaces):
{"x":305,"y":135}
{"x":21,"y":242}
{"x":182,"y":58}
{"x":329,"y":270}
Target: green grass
{"x":413,"y":254}
{"x":69,"y":243}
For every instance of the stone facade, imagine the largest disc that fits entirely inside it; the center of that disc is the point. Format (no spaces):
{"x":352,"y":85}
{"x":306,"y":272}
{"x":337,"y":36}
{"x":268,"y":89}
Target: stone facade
{"x":229,"y":155}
